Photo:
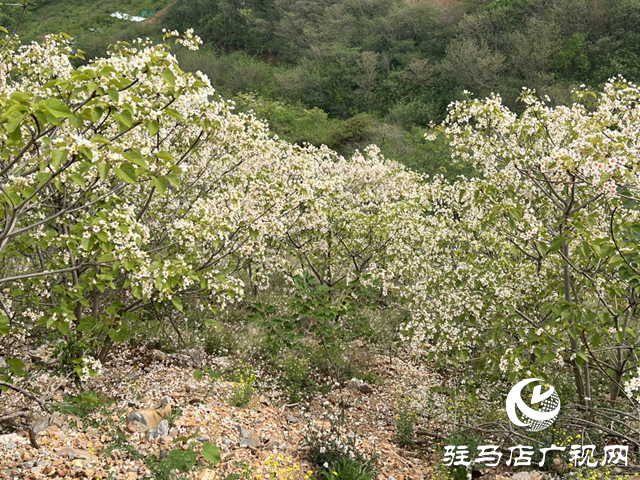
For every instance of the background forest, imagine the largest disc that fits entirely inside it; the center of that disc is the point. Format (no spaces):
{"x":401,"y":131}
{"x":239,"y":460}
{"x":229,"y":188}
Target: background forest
{"x":349,"y":73}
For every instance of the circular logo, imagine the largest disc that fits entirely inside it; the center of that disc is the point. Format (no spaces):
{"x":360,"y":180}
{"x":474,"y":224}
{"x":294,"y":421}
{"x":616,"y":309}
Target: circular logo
{"x":535,"y":419}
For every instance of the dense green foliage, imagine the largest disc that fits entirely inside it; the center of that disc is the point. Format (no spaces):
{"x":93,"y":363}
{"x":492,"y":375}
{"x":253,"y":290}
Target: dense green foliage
{"x":354,"y":72}
{"x":405,"y":63}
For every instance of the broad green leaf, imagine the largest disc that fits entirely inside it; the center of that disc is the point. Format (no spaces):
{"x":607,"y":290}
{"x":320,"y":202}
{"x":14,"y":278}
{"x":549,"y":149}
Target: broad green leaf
{"x":169,"y":77}
{"x":113,"y":93}
{"x":4,"y":324}
{"x":16,"y":367}
{"x":76,"y":177}
{"x":126,"y":172}
{"x":135,"y":157}
{"x":63,"y":327}
{"x":153,"y":127}
{"x":556,"y":243}
{"x":177,"y":302}
{"x":103,"y":170}
{"x":14,"y":121}
{"x":99,"y":139}
{"x":57,"y":108}
{"x":548,"y":357}
{"x":211,"y":453}
{"x":107,"y":257}
{"x":173,"y":178}
{"x":160,"y":183}
{"x":165,"y":155}
{"x":125,"y":118}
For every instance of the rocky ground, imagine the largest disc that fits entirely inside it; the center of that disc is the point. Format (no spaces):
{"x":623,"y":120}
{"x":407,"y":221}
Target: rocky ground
{"x":263,"y":440}
{"x":147,"y":385}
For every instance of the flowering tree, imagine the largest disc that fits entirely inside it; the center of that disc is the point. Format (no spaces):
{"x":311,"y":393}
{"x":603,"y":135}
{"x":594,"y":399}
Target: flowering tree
{"x":127,"y":192}
{"x":532,"y":266}
{"x":125,"y":189}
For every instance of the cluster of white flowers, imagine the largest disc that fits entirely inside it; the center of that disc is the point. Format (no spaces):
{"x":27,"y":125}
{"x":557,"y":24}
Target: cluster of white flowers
{"x":632,"y":386}
{"x":91,"y":367}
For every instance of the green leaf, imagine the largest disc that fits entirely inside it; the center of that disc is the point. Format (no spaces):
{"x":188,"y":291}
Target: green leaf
{"x":76,"y":121}
{"x":160,"y":184}
{"x":173,"y":178}
{"x":86,"y":324}
{"x":96,"y":113}
{"x":76,"y":177}
{"x":16,"y":367}
{"x":169,"y":77}
{"x":113,"y":93}
{"x":125,"y":118}
{"x":43,"y":177}
{"x":4,"y":324}
{"x":63,"y":327}
{"x":182,"y":460}
{"x":556,"y":243}
{"x":211,"y":453}
{"x":57,"y":108}
{"x":177,"y":302}
{"x":135,"y":157}
{"x":14,"y":121}
{"x":165,"y":155}
{"x":103,"y":170}
{"x":197,"y":374}
{"x":99,"y":139}
{"x":126,"y":172}
{"x":107,"y":257}
{"x":119,"y":335}
{"x":174,"y":113}
{"x":548,"y":357}
{"x":153,"y":127}
{"x":543,"y":248}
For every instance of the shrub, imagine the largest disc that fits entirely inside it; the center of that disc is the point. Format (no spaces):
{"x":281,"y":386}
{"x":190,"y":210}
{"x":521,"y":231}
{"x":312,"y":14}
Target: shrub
{"x":405,"y":421}
{"x":297,"y":378}
{"x":338,"y":448}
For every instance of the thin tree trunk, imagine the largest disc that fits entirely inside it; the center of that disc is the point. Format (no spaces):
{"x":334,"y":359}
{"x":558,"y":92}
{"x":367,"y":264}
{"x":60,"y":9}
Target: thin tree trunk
{"x":574,"y":343}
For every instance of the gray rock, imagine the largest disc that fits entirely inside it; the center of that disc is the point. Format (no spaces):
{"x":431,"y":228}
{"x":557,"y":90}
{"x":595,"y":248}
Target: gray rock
{"x":356,"y":384}
{"x":132,"y":376}
{"x":248,"y":438}
{"x":40,"y":423}
{"x":44,"y":463}
{"x":292,"y":419}
{"x":275,"y":443}
{"x":159,"y":356}
{"x":76,"y":453}
{"x":161,"y":431}
{"x":136,"y":417}
{"x":27,"y":464}
{"x":12,"y":438}
{"x":527,"y":476}
{"x":3,"y":364}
